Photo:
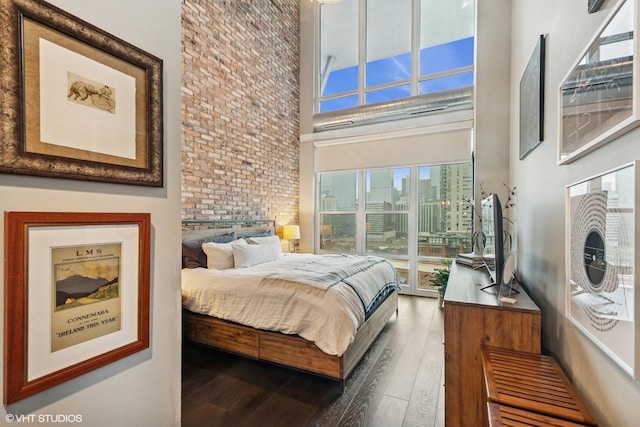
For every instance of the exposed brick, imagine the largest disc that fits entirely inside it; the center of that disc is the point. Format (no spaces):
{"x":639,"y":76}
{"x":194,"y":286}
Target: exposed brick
{"x":240,"y":109}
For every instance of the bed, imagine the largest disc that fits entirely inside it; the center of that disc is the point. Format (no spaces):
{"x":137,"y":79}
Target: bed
{"x":333,"y":306}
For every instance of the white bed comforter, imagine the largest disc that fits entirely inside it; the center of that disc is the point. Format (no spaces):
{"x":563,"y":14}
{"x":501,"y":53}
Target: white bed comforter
{"x":265,"y":296}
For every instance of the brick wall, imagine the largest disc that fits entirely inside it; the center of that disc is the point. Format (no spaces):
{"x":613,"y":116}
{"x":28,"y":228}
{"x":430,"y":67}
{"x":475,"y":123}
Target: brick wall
{"x":240,"y":115}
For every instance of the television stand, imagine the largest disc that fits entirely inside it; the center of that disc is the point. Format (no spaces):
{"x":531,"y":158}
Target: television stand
{"x":493,"y":285}
{"x":489,"y":286}
{"x":494,"y":280}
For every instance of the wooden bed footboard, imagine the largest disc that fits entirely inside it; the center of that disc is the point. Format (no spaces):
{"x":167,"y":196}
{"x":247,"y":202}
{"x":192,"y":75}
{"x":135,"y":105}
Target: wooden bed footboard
{"x":288,"y":350}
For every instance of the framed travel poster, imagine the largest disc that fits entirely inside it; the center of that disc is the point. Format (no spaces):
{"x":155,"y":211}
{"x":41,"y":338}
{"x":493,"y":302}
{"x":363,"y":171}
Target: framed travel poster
{"x":76,"y":295}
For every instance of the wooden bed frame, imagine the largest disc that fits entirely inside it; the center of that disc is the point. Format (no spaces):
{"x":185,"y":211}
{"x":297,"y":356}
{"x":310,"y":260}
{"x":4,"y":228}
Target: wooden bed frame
{"x":288,"y":350}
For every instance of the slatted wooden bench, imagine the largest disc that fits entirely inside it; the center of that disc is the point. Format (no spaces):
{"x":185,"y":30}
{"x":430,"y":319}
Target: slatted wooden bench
{"x":532,"y":383}
{"x":508,"y":416}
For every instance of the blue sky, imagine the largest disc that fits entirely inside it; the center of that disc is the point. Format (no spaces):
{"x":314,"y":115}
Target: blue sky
{"x":435,"y":59}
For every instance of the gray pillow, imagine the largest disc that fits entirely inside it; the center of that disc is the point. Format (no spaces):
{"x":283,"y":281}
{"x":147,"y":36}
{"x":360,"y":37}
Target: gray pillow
{"x":265,"y":233}
{"x":192,"y":254}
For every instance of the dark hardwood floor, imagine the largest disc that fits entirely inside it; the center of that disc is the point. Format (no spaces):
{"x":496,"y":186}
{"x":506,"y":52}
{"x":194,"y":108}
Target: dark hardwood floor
{"x":398,"y":382}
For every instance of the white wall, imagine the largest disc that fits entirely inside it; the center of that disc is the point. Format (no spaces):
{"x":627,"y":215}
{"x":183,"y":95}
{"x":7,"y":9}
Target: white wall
{"x":142,"y":389}
{"x":491,"y":125}
{"x":307,"y":100}
{"x":611,"y":394}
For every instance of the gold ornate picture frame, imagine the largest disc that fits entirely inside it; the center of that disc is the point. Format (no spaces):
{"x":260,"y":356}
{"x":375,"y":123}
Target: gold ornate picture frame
{"x":77,"y":102}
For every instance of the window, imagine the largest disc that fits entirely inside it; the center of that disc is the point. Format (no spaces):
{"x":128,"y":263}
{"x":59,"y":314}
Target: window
{"x":446,"y":45}
{"x":374,"y":51}
{"x":338,"y":208}
{"x":414,"y":216}
{"x":445,"y":225}
{"x":387,"y":191}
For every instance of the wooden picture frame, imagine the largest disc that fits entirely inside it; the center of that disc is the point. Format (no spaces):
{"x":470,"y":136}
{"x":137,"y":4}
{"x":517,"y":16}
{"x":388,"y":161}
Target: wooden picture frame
{"x":532,"y":101}
{"x":78,"y":102}
{"x":602,"y":264}
{"x":599,"y":98}
{"x":76,"y":295}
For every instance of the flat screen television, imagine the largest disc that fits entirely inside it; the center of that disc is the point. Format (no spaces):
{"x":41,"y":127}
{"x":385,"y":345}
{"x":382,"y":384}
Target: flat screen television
{"x":491,"y":213}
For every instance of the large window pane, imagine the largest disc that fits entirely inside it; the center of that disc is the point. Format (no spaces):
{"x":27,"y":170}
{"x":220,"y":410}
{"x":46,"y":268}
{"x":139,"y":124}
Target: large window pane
{"x":387,"y":233}
{"x":444,"y":223}
{"x":338,"y":47}
{"x":446,"y":56}
{"x":339,"y":103}
{"x":341,"y":81}
{"x":338,"y":191}
{"x":388,"y":94}
{"x":446,"y":43}
{"x":414,"y":216}
{"x":445,"y":21}
{"x":427,"y":271}
{"x":338,"y":232}
{"x":388,"y":189}
{"x":389,"y":70}
{"x":455,"y":81}
{"x":402,"y":268}
{"x":388,"y":41}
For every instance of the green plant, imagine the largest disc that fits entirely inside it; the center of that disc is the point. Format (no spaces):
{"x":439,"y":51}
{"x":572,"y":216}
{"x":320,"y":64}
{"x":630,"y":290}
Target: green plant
{"x":441,"y":276}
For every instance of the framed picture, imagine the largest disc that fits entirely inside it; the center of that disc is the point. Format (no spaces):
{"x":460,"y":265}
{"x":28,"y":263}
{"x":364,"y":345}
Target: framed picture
{"x":598,"y":99}
{"x":78,"y":297}
{"x":83,"y":104}
{"x":601,"y":265}
{"x":532,"y":101}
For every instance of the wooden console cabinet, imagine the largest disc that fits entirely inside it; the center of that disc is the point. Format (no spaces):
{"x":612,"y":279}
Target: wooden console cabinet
{"x":473,"y":318}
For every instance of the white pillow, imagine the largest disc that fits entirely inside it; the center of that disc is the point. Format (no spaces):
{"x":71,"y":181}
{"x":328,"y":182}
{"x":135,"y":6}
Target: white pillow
{"x":263,"y":240}
{"x":220,"y":255}
{"x":248,"y":255}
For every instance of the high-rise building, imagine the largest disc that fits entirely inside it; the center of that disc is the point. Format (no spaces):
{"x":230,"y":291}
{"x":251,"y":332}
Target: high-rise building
{"x":380,"y":186}
{"x":455,"y":180}
{"x":338,"y":191}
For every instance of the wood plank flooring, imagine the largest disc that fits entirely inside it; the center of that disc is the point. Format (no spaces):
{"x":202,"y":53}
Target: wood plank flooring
{"x":398,"y":382}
